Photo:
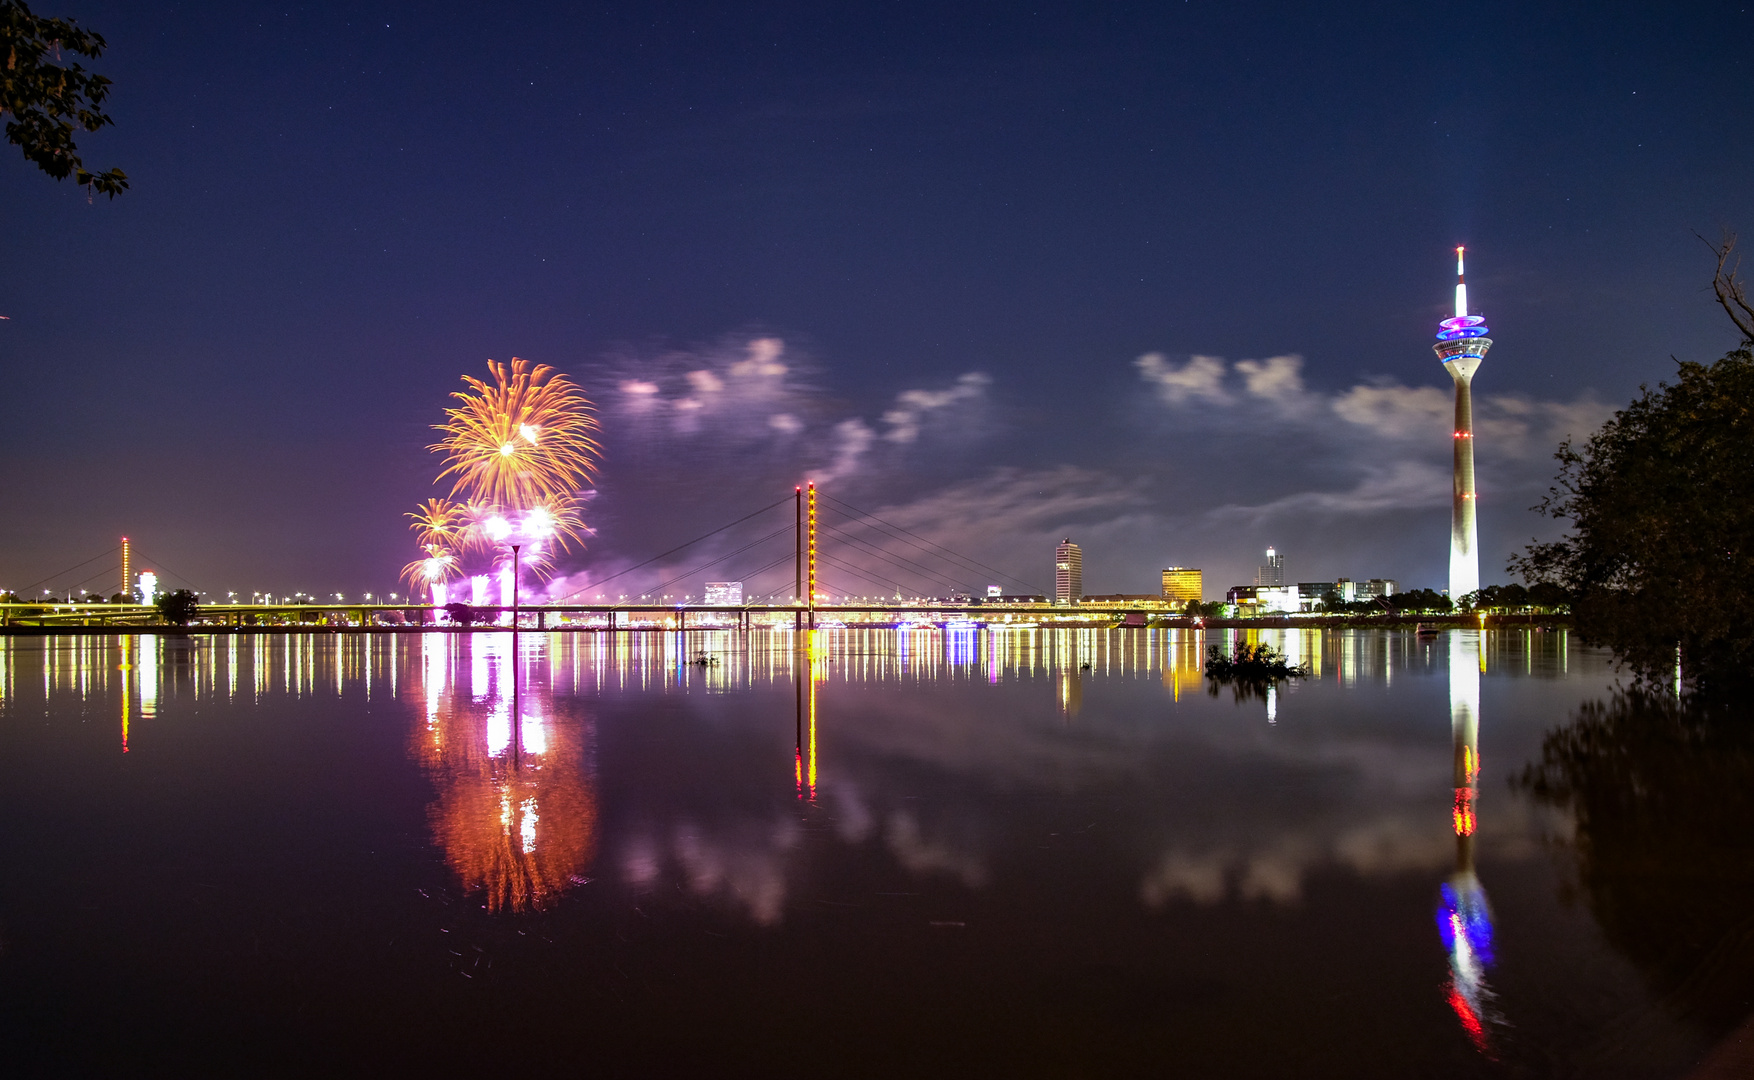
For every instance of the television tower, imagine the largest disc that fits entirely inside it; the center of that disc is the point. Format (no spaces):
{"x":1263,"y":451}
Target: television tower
{"x":1461,"y":345}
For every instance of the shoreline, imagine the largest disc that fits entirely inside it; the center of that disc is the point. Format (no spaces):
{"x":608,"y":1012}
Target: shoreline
{"x":1283,"y":622}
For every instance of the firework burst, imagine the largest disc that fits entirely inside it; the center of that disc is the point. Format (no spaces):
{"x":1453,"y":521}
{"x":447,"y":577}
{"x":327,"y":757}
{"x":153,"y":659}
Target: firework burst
{"x":438,"y":522}
{"x":519,"y":440}
{"x":438,"y":566}
{"x":518,"y":448}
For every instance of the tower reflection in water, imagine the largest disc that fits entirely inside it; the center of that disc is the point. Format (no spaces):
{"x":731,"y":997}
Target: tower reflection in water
{"x":516,"y":813}
{"x":1464,"y":917}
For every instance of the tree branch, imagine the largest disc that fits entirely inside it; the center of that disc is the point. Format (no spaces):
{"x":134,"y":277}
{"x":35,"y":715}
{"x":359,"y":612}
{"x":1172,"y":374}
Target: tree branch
{"x":1727,"y":284}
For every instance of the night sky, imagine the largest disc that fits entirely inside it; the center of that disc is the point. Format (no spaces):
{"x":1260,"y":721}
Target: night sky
{"x":1162,"y":278}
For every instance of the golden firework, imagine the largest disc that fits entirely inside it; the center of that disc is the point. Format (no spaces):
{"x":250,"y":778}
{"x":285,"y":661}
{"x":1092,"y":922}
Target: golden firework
{"x":438,"y":522}
{"x":519,"y":440}
{"x":439,"y":565}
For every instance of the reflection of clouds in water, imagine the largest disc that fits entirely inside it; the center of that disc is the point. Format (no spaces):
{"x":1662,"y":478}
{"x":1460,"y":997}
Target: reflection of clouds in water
{"x":922,"y":855}
{"x":853,"y":821}
{"x":746,"y":867}
{"x":1200,"y":878}
{"x":746,"y":864}
{"x":1274,"y":868}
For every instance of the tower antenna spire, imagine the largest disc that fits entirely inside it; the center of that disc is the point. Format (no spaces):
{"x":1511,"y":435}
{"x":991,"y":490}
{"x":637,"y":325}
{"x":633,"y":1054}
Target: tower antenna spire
{"x":1461,"y":288}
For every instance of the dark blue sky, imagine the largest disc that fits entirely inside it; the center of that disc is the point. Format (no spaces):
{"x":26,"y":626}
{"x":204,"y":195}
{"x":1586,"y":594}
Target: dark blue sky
{"x":336,"y":211}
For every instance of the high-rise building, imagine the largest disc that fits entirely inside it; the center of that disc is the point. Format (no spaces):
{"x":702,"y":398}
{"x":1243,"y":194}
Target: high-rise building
{"x":1068,"y":572}
{"x":1181,"y":584}
{"x":1272,"y":574}
{"x":1461,"y":345}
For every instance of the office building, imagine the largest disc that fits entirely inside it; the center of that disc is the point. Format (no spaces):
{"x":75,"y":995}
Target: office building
{"x":1310,"y":593}
{"x":1271,"y":575}
{"x":1068,"y":572}
{"x":1375,"y":587}
{"x":723,"y":594}
{"x":1181,"y":584}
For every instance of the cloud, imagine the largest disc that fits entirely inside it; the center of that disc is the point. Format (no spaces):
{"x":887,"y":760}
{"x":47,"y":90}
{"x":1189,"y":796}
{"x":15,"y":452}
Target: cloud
{"x":912,"y":406}
{"x":750,"y":393}
{"x":1401,"y":485}
{"x":1507,"y":426}
{"x":1200,"y":379}
{"x":763,"y":360}
{"x":1278,"y":379}
{"x":852,"y":438}
{"x":1396,"y":412}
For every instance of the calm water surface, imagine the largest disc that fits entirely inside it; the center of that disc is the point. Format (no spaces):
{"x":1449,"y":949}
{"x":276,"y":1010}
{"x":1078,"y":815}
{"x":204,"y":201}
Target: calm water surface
{"x":1026,"y":853}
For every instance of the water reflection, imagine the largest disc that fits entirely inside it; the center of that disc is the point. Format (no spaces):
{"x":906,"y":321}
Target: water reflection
{"x":1142,"y":884}
{"x":1464,"y":917}
{"x":1661,"y":797}
{"x":516,"y":814}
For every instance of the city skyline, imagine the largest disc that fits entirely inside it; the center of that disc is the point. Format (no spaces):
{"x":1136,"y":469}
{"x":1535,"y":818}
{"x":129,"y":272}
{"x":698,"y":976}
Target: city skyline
{"x":982,"y":308}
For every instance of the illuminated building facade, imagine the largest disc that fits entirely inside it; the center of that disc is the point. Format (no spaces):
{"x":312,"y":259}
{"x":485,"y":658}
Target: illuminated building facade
{"x":1461,"y":345}
{"x":723,"y":593}
{"x":1271,"y":574}
{"x":1181,"y":584}
{"x":1068,"y":572}
{"x":1310,"y":593}
{"x":1376,"y":586}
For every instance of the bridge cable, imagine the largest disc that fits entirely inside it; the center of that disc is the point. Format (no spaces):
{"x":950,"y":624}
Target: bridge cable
{"x":679,"y":547}
{"x":923,"y":540}
{"x":929,"y":573}
{"x":142,"y":558}
{"x":702,"y":566}
{"x":74,"y":567}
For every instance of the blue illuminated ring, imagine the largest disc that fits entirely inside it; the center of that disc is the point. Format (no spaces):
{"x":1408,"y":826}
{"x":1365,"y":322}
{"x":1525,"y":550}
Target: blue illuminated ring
{"x":1461,"y":327}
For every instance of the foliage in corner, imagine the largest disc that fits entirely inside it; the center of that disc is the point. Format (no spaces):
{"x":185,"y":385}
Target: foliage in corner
{"x":45,"y":102}
{"x":1661,"y":550}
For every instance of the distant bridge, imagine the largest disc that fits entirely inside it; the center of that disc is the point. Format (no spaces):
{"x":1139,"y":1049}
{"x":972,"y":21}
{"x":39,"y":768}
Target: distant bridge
{"x":588,"y":617}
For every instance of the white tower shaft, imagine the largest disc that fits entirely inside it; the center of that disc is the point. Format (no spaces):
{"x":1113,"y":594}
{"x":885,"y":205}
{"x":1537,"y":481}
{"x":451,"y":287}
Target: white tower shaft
{"x":1461,"y":347}
{"x":1464,"y":540}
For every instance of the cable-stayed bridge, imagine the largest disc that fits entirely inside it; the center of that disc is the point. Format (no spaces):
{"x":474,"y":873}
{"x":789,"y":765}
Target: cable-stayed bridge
{"x":808,"y":559}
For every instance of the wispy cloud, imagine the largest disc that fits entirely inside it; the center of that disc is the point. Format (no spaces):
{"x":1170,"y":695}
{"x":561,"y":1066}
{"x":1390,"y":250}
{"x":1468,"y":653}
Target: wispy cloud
{"x":1507,"y":425}
{"x":754,"y":392}
{"x":1200,"y":379}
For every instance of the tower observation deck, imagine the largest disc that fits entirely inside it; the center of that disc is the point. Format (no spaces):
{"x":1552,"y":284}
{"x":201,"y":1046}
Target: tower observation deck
{"x":1461,"y":346}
